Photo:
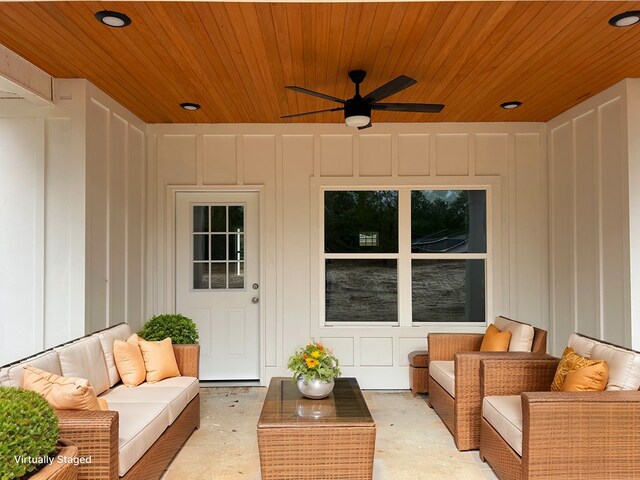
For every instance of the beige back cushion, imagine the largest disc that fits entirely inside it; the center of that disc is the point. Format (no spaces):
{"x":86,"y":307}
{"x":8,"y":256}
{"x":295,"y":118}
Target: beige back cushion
{"x":521,"y":334}
{"x":583,"y":346}
{"x":48,"y":361}
{"x":624,"y":366}
{"x":85,"y":359}
{"x":107,"y":337}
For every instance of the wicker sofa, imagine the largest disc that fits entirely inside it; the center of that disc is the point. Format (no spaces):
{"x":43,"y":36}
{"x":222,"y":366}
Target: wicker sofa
{"x":529,"y":432}
{"x":454,"y":379}
{"x":144,"y":427}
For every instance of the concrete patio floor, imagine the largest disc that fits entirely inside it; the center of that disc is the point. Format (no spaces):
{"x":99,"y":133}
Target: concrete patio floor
{"x":412,"y":442}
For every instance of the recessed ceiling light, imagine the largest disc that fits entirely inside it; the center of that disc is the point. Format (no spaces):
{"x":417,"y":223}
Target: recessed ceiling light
{"x":113,"y":19}
{"x":190,"y":106}
{"x":511,"y":105}
{"x":625,"y":19}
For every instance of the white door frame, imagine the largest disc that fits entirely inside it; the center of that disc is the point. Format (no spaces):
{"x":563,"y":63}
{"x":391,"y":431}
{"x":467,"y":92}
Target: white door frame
{"x":170,"y":249}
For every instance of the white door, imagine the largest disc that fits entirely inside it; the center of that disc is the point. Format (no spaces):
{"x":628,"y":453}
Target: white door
{"x":217,"y":279}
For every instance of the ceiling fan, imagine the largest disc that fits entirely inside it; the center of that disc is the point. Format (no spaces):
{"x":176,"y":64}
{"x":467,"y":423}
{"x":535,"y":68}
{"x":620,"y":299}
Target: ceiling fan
{"x":357,"y":110}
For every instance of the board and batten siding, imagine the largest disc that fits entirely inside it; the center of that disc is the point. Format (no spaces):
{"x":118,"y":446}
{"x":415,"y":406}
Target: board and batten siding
{"x":594,"y":175}
{"x":289,"y":162}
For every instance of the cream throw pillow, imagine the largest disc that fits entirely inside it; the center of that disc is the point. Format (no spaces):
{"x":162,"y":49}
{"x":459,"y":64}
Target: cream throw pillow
{"x":63,"y":393}
{"x":159,"y":360}
{"x":129,"y":361}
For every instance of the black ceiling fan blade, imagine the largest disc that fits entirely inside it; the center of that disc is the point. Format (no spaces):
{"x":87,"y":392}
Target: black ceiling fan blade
{"x":315,"y":94}
{"x":409,"y":107}
{"x":311,"y":113}
{"x":368,"y":125}
{"x":389,"y":88}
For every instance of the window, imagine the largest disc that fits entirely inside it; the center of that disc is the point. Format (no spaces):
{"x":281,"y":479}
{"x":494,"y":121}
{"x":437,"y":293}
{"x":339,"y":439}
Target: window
{"x":218,"y":247}
{"x":444,"y":249}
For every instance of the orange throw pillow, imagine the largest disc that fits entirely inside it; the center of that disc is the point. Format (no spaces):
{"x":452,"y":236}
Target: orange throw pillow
{"x":494,"y":340}
{"x":159,"y":360}
{"x":592,"y":378}
{"x":129,"y":361}
{"x":63,"y":393}
{"x":570,"y":362}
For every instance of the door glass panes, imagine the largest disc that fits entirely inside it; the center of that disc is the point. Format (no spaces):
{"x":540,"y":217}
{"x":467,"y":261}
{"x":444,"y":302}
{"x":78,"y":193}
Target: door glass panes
{"x":361,"y":290}
{"x":448,"y":290}
{"x":448,"y":221}
{"x":218,"y":247}
{"x":361,"y":221}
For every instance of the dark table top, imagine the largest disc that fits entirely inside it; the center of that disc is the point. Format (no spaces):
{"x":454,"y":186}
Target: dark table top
{"x":285,"y":406}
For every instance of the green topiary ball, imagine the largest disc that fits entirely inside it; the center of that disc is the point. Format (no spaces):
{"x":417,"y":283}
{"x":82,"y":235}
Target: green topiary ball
{"x":28,"y":428}
{"x":181,"y":329}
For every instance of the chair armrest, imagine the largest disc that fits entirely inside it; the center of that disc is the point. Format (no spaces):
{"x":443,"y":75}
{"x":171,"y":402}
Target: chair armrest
{"x":581,"y":434}
{"x":188,"y":359}
{"x":95,"y":433}
{"x":514,"y":376}
{"x":442,"y":346}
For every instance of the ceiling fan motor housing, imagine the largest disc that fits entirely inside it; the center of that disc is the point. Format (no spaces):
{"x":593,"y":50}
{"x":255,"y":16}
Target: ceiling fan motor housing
{"x":353,"y":108}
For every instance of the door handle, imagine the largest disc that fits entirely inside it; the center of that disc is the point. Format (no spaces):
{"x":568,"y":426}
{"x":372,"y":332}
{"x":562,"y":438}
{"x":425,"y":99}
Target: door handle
{"x":255,"y":300}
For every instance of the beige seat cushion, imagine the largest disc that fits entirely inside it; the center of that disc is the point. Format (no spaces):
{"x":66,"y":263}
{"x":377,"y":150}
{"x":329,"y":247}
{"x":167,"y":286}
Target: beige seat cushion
{"x":48,"y":361}
{"x":521,"y":334}
{"x":581,"y":345}
{"x":107,"y":337}
{"x":443,"y":372}
{"x":624,"y":366}
{"x":504,"y":414}
{"x":190,"y":384}
{"x":141,"y":424}
{"x":174,"y":398}
{"x":85,"y":359}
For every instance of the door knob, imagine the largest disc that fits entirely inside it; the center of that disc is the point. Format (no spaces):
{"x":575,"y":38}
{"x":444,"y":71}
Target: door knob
{"x":254,"y":286}
{"x":255,"y":300}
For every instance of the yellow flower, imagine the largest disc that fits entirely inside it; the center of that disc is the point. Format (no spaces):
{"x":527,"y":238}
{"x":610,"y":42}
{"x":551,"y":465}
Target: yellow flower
{"x":315,"y":354}
{"x":312,"y":362}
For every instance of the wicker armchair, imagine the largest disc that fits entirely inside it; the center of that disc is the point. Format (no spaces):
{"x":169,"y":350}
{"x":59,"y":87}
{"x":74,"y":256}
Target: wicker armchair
{"x":462,"y":413}
{"x":575,"y":435}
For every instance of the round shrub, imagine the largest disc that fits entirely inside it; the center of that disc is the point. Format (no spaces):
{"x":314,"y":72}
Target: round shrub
{"x":28,"y":431}
{"x":181,"y":329}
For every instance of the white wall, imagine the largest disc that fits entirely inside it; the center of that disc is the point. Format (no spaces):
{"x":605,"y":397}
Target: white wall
{"x":48,"y":208}
{"x":594,"y":161}
{"x":291,"y":161}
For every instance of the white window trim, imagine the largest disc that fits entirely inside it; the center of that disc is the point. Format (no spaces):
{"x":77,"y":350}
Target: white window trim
{"x":491,"y":184}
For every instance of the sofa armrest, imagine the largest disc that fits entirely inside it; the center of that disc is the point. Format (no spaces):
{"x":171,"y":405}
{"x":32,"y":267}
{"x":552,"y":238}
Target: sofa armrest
{"x":188,"y":359}
{"x":442,"y":346}
{"x":95,"y":433}
{"x":514,"y":376}
{"x":581,"y":434}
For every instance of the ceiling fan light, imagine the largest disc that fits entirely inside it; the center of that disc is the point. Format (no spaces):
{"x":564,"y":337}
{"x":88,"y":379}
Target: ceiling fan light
{"x":511,"y":105}
{"x":357,"y":120}
{"x":113,"y":19}
{"x":192,"y":107}
{"x":625,"y":19}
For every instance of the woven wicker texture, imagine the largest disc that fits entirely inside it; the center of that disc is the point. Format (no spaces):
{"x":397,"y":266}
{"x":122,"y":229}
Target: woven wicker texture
{"x":317,"y":453}
{"x":418,"y":380}
{"x":188,"y":359}
{"x":514,"y":376}
{"x":58,"y":470}
{"x":467,"y":405}
{"x":505,"y":462}
{"x":419,"y":358}
{"x":159,"y":456}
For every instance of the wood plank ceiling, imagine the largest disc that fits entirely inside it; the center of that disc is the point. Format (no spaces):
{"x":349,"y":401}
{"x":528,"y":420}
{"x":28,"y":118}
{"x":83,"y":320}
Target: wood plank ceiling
{"x":236,"y":58}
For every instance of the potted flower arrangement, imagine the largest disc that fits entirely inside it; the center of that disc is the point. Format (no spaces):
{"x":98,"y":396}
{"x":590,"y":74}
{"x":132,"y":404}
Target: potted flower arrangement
{"x":314,"y":367}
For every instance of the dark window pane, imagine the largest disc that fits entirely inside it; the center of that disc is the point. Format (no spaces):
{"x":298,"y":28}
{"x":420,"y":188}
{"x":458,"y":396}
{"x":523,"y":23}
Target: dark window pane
{"x":201,"y":247}
{"x":218,"y":219}
{"x":361,"y":221}
{"x":218,"y":275}
{"x":236,"y":274}
{"x":218,"y":247}
{"x":448,"y":290}
{"x":200,"y":276}
{"x":236,"y":247}
{"x":361,"y":291}
{"x":236,"y":219}
{"x":200,"y":219}
{"x":451,"y":221}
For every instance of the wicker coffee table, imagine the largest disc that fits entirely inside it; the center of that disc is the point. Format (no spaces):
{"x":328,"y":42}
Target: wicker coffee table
{"x":332,"y":438}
